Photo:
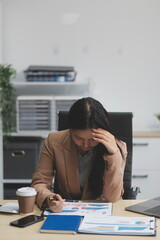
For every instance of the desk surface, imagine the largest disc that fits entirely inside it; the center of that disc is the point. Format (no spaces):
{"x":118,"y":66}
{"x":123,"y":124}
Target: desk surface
{"x":8,"y":232}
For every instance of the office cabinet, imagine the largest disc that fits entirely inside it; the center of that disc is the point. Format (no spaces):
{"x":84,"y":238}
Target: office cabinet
{"x":10,"y":189}
{"x":20,"y":158}
{"x":146,"y":166}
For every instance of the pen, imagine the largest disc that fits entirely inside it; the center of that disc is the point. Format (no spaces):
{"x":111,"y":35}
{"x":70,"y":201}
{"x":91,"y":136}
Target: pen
{"x":65,"y":200}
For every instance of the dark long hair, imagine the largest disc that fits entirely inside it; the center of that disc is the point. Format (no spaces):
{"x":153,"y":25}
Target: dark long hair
{"x":90,"y":113}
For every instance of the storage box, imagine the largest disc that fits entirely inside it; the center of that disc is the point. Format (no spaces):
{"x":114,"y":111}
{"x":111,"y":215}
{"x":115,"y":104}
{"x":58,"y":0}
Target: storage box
{"x":21,"y":156}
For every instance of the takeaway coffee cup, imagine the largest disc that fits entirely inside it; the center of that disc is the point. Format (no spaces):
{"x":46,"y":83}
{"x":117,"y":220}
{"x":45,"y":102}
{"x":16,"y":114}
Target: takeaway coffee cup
{"x":26,"y":199}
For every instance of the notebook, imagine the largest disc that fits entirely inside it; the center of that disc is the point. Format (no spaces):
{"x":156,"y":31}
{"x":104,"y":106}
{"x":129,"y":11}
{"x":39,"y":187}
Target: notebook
{"x":117,"y":225}
{"x":150,"y":207}
{"x":61,"y":224}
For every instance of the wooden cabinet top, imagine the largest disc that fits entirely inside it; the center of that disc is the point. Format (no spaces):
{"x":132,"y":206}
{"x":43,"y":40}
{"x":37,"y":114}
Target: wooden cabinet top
{"x":146,"y":134}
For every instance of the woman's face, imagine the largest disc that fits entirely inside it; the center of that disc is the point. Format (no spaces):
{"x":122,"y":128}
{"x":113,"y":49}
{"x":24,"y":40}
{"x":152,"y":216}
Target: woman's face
{"x":83,"y":139}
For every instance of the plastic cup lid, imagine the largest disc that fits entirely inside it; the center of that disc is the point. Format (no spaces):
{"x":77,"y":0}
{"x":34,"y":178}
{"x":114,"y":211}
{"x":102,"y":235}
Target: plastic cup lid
{"x":26,"y":192}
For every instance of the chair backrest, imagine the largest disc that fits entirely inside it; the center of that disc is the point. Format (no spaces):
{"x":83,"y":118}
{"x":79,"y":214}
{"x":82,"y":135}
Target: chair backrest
{"x":121,"y":126}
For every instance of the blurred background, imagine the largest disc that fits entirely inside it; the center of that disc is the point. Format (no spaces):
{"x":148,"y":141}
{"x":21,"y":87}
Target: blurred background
{"x":113,"y":44}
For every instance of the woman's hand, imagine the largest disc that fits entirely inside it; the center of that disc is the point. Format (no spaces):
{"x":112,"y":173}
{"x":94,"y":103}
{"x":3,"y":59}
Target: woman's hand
{"x":106,"y":138}
{"x":55,"y":205}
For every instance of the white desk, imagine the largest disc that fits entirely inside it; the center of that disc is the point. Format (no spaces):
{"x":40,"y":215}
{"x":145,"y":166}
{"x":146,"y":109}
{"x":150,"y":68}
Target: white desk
{"x":8,"y":232}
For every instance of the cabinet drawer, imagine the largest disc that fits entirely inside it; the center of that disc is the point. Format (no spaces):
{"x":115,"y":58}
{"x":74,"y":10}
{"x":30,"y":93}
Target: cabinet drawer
{"x":10,"y":190}
{"x":20,"y":159}
{"x":146,"y":153}
{"x":147,"y":181}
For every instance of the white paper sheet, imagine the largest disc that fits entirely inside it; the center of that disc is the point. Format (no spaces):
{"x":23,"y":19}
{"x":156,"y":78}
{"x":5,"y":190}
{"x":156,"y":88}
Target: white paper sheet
{"x":82,"y":209}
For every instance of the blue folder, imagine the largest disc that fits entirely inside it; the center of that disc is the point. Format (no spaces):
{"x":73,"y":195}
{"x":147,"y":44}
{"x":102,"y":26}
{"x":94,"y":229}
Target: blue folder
{"x":61,"y":224}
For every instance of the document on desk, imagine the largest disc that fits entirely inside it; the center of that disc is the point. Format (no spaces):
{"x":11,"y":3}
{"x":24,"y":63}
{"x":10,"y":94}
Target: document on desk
{"x":117,"y":225}
{"x":84,"y":208}
{"x":10,"y":207}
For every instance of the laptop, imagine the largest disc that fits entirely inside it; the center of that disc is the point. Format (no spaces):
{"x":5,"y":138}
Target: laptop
{"x":150,"y":207}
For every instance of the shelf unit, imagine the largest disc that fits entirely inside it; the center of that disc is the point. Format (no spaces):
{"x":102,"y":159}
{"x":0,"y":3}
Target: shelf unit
{"x":1,"y":158}
{"x":146,"y":167}
{"x":52,"y":88}
{"x":62,"y":91}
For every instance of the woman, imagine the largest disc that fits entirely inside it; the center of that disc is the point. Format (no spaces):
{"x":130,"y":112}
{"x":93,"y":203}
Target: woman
{"x":88,"y":160}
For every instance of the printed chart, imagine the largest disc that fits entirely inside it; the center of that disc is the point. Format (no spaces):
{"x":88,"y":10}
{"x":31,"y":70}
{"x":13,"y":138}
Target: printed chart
{"x":82,"y":209}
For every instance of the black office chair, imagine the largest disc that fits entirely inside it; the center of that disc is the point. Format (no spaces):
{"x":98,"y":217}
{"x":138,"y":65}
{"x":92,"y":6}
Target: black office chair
{"x":121,"y":126}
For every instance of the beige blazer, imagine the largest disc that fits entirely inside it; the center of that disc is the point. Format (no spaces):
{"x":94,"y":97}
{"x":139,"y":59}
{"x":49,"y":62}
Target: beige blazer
{"x":60,"y":153}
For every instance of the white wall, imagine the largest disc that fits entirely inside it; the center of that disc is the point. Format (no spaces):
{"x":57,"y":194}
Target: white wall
{"x":115,"y":43}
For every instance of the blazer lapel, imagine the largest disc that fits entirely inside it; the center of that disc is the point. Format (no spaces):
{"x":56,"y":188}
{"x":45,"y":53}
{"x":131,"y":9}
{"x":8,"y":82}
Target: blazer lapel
{"x":71,"y":166}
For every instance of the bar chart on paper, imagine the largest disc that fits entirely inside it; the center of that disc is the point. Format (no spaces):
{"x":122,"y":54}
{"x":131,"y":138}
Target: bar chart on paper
{"x":82,"y":209}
